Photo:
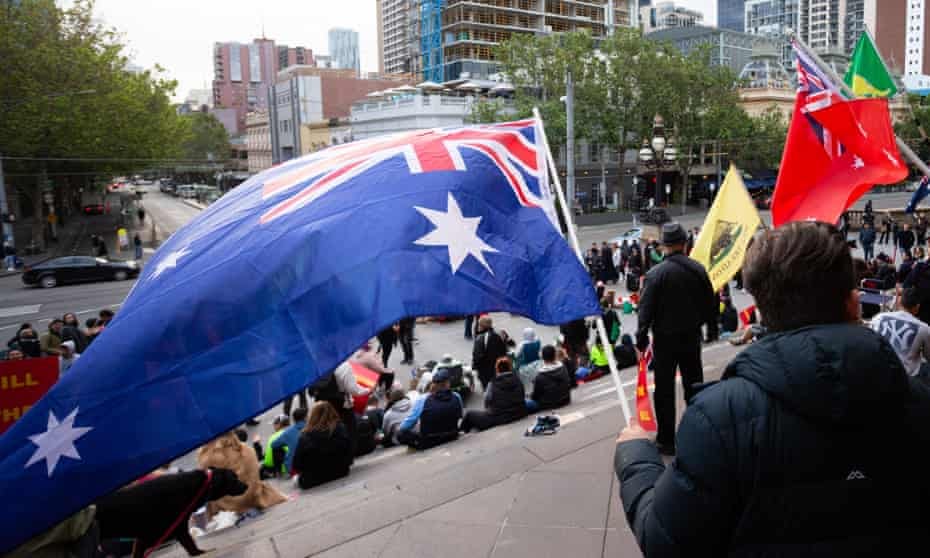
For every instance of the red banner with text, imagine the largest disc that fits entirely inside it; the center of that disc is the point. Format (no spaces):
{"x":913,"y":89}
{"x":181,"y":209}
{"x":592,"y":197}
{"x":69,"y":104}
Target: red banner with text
{"x":22,"y":383}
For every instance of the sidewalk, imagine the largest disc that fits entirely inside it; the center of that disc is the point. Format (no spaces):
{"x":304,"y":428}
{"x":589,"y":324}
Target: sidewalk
{"x":74,"y":238}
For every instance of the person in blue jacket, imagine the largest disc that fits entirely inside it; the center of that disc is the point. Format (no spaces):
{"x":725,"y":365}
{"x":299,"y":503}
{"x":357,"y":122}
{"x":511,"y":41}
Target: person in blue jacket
{"x":288,"y":439}
{"x":434,"y":418}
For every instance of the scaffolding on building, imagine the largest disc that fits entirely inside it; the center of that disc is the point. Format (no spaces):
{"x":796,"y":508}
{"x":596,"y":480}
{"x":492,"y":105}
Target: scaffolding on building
{"x":431,"y":39}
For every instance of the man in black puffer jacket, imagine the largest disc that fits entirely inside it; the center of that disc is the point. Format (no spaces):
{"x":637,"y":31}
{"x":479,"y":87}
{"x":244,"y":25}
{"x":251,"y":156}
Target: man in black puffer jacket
{"x":552,"y":387}
{"x":805,"y":447}
{"x":504,"y":400}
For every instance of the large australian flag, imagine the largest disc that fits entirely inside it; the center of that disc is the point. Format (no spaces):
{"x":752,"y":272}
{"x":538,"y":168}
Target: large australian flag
{"x":277,"y":283}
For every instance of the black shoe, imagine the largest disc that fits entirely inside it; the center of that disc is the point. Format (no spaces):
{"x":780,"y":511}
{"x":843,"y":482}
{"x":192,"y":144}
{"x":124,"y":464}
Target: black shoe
{"x":666,"y":449}
{"x":252,"y":422}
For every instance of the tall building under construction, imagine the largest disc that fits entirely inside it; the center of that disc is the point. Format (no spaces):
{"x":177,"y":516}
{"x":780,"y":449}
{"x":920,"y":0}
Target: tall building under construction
{"x":457,"y":37}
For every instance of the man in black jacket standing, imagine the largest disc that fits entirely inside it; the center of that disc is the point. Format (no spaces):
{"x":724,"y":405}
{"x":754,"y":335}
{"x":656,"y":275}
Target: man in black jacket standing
{"x":797,"y":451}
{"x":487,"y":349}
{"x":677,"y":300}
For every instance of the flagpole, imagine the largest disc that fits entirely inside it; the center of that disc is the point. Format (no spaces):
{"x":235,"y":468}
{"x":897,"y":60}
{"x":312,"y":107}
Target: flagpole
{"x":570,"y":225}
{"x":903,"y":147}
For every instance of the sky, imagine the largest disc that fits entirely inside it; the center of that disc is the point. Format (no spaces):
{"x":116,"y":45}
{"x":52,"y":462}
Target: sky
{"x":179,"y":34}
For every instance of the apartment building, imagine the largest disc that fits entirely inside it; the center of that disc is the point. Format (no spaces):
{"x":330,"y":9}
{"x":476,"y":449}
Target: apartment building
{"x":457,"y":37}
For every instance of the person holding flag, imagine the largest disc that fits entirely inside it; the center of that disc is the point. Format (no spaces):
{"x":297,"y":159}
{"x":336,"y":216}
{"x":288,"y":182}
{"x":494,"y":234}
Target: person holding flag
{"x":797,"y":451}
{"x":727,"y":230}
{"x":454,"y":221}
{"x":677,"y":299}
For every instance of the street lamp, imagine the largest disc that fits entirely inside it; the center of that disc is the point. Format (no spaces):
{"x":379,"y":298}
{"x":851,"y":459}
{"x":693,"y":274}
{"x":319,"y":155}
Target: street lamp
{"x":658,"y":152}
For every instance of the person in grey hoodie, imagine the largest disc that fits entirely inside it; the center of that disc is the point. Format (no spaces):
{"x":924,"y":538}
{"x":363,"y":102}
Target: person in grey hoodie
{"x":398,"y":407}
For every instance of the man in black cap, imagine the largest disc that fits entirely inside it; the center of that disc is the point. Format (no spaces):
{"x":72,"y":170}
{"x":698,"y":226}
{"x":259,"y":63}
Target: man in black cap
{"x":677,"y":299}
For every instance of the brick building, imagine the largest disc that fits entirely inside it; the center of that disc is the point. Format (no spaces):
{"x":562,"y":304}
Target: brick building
{"x":304,"y":97}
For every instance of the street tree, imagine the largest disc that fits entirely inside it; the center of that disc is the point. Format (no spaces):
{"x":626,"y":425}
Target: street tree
{"x":621,"y":82}
{"x":70,"y":113}
{"x":204,"y":138}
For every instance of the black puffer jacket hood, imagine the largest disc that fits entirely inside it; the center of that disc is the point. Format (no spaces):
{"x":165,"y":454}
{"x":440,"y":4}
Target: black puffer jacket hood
{"x":840,"y":374}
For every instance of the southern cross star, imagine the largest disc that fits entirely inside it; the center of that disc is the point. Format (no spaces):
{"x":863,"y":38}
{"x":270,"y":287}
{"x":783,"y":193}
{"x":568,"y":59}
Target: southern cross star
{"x":457,"y":233}
{"x":57,"y":441}
{"x":170,"y":260}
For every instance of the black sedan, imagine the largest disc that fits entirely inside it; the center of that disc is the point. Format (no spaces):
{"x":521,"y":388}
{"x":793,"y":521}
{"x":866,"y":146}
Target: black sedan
{"x":78,"y":269}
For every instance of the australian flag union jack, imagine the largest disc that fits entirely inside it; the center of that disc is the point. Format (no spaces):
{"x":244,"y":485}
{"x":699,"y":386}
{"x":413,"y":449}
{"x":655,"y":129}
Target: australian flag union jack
{"x":816,"y":91}
{"x":276,"y":284}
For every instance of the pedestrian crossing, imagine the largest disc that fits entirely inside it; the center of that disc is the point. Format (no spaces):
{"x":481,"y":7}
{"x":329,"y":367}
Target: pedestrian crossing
{"x":13,"y":311}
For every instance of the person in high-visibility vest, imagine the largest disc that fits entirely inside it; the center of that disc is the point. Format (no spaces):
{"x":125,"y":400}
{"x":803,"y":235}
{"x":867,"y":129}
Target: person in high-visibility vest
{"x":273,"y":462}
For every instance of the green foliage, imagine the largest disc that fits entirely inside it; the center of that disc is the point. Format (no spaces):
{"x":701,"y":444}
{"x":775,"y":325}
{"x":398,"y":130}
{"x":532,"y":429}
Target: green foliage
{"x":622,"y":81}
{"x":204,"y":138}
{"x":762,"y":144}
{"x":913,"y":129}
{"x":65,"y":94}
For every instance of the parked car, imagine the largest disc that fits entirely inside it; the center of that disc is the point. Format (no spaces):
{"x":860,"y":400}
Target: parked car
{"x":186,"y":191}
{"x":93,"y":209}
{"x":78,"y":269}
{"x":629,"y":236}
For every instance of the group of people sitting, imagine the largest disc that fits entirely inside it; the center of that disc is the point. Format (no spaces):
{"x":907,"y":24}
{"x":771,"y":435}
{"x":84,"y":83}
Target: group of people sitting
{"x":65,"y":338}
{"x":319,"y":444}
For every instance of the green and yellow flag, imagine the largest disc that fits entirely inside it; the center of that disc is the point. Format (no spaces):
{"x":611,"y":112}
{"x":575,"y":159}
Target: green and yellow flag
{"x":867,"y":75}
{"x":727,"y":230}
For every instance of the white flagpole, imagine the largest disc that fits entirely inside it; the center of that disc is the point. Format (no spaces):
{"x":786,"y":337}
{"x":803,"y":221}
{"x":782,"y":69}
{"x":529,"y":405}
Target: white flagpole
{"x":569,"y":224}
{"x":903,"y":147}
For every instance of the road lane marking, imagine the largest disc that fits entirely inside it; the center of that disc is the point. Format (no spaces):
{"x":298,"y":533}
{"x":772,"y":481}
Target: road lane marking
{"x":11,"y":311}
{"x":78,"y":313}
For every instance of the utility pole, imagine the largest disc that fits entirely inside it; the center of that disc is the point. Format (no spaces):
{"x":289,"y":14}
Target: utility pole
{"x":570,"y":140}
{"x":5,"y":208}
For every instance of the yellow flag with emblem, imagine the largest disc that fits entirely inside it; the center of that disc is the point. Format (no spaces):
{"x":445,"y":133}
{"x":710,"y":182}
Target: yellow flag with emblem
{"x":728,"y":228}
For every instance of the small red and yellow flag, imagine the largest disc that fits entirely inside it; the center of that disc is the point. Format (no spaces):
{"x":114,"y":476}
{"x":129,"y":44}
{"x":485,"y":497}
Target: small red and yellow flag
{"x":644,"y":412}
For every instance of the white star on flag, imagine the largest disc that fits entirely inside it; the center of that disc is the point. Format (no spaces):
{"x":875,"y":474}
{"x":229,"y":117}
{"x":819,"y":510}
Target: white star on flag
{"x":457,"y":233}
{"x":857,"y":162}
{"x":57,"y":441}
{"x":170,"y":260}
